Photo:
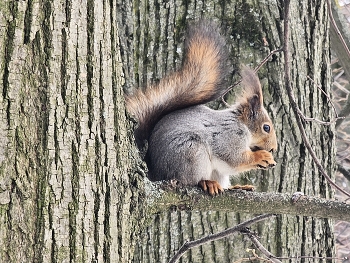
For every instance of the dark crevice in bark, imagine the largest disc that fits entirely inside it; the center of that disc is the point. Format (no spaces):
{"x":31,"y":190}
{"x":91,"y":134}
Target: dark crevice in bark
{"x":8,"y":50}
{"x":106,"y":220}
{"x":284,"y":167}
{"x":301,"y":175}
{"x":64,"y":76}
{"x":97,"y":195}
{"x":73,"y":206}
{"x":28,"y":18}
{"x":77,"y":114}
{"x":101,"y":97}
{"x":90,"y":62}
{"x":68,"y":11}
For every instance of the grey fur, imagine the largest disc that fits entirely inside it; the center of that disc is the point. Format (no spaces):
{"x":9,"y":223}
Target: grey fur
{"x":190,"y":142}
{"x":189,"y":145}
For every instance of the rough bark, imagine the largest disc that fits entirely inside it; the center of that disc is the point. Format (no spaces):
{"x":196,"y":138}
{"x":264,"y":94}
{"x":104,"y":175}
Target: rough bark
{"x":71,"y":187}
{"x":66,"y":180}
{"x":252,"y":29}
{"x":167,"y":197}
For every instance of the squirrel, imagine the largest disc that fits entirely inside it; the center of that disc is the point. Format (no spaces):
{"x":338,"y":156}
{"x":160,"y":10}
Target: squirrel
{"x":187,"y":140}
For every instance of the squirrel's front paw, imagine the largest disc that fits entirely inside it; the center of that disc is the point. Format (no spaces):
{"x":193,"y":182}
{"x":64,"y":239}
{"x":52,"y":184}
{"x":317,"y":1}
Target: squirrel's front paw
{"x":212,"y":187}
{"x":264,"y":159}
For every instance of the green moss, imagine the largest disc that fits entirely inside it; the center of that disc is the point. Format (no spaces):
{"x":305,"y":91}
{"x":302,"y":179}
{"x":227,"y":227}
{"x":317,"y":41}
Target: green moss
{"x":20,"y":139}
{"x":180,"y":28}
{"x":245,"y":24}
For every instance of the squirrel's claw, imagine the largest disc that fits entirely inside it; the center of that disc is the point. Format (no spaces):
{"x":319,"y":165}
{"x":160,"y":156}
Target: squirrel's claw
{"x":261,"y":167}
{"x":212,"y":187}
{"x":264,"y":159}
{"x":269,"y":165}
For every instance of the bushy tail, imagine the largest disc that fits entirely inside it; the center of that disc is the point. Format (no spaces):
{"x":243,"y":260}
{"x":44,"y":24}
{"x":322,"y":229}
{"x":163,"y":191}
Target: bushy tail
{"x":200,"y":80}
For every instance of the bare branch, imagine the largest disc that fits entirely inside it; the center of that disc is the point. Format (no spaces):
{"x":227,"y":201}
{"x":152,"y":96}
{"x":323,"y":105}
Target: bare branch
{"x":293,"y":103}
{"x":228,"y":89}
{"x":313,"y":257}
{"x":330,"y":101}
{"x":334,"y":24}
{"x":344,"y":112}
{"x":259,"y":246}
{"x":267,"y":58}
{"x":255,"y":70}
{"x":343,"y":55}
{"x":230,"y":231}
{"x":344,"y":171}
{"x":164,"y":197}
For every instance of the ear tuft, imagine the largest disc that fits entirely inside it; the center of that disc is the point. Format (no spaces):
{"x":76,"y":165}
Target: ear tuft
{"x":254,"y":105}
{"x":251,"y":100}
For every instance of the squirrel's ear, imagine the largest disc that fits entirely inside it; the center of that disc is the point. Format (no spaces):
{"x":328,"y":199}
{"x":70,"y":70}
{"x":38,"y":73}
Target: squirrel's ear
{"x":251,"y":100}
{"x":254,"y":104}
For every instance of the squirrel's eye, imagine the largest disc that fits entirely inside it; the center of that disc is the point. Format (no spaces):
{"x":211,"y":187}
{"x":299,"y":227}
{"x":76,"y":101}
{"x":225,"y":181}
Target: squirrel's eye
{"x":266,"y":128}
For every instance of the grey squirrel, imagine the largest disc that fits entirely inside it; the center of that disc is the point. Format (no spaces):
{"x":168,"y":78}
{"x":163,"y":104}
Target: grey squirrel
{"x":190,"y":142}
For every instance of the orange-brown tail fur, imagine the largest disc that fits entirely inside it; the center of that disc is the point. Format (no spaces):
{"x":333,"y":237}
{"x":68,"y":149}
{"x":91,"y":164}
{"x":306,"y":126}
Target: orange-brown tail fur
{"x":200,"y":80}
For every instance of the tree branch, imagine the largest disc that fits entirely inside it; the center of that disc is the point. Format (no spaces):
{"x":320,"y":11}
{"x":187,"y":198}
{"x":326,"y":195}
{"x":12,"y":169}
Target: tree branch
{"x":334,"y":24}
{"x":259,"y":246}
{"x":339,"y":45}
{"x":256,"y":69}
{"x":162,"y":196}
{"x":330,"y":101}
{"x":344,"y":171}
{"x":220,"y":235}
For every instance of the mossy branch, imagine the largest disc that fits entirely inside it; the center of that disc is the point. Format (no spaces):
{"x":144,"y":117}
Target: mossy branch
{"x":162,"y":196}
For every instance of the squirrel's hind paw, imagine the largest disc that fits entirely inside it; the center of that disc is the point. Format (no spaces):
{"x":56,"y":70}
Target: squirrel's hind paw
{"x":246,"y":187}
{"x":212,"y":187}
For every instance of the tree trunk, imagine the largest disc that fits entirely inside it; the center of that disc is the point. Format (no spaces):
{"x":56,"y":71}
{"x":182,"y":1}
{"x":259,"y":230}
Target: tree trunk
{"x":71,"y":183}
{"x":252,"y":30}
{"x":67,"y":186}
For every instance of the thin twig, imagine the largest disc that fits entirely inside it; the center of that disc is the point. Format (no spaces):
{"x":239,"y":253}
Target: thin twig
{"x":314,"y":257}
{"x":267,"y":58}
{"x":255,"y":70}
{"x":293,"y":103}
{"x":227,"y":90}
{"x":259,"y":246}
{"x":345,"y":111}
{"x":272,"y":257}
{"x":191,"y":244}
{"x":307,"y":119}
{"x":330,"y":101}
{"x":344,"y":171}
{"x":334,"y":24}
